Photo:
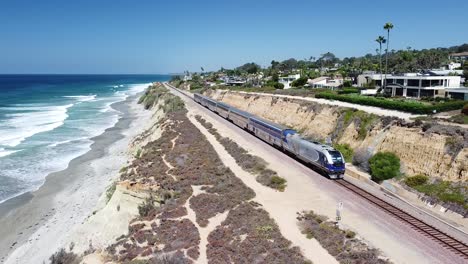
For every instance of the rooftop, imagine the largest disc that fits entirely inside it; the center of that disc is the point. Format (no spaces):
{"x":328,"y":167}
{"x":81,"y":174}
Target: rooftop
{"x":459,"y":54}
{"x":458,"y":90}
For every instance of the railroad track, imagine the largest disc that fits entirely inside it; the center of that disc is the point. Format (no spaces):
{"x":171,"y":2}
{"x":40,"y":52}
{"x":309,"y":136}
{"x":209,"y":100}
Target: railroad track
{"x":435,"y":234}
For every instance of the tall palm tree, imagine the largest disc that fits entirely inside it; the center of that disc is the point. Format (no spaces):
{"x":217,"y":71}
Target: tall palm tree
{"x":381,"y":40}
{"x":388,"y":26}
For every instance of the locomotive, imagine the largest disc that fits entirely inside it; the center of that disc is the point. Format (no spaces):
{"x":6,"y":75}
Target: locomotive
{"x":323,"y":157}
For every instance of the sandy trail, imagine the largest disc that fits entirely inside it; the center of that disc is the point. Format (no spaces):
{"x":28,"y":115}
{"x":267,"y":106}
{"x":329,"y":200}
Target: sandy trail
{"x":284,"y":213}
{"x":308,"y":190}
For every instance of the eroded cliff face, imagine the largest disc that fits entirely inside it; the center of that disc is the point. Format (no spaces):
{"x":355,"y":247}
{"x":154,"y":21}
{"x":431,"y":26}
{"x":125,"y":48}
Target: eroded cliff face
{"x":421,"y":152}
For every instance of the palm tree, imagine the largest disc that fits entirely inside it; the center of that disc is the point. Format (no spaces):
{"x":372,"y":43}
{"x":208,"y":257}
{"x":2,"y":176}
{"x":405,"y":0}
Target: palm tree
{"x":388,"y":26}
{"x":381,"y":40}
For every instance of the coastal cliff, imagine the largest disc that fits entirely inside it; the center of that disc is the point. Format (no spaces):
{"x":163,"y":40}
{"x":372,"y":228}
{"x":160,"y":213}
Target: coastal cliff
{"x":435,"y":150}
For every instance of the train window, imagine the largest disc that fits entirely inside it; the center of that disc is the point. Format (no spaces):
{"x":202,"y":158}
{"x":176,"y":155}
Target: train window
{"x":336,"y":158}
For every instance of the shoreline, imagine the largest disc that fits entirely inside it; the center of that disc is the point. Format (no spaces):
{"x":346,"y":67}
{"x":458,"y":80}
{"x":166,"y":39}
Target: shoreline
{"x":67,"y":197}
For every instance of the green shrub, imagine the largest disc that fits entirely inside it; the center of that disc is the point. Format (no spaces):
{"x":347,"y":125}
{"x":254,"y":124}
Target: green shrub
{"x":406,"y":106}
{"x":445,"y":191}
{"x":110,"y":191}
{"x":147,"y":206}
{"x":299,"y":82}
{"x":274,"y":84}
{"x":346,"y":150}
{"x":350,"y":234}
{"x":172,"y":103}
{"x":384,"y":166}
{"x":365,"y":120}
{"x":138,"y":153}
{"x":416,"y":180}
{"x":349,"y":91}
{"x":64,"y":257}
{"x":465,"y":109}
{"x":278,"y":183}
{"x":347,"y":84}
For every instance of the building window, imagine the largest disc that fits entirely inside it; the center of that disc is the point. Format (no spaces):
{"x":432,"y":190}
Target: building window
{"x":412,"y":93}
{"x":400,"y":81}
{"x":436,"y":83}
{"x":413,"y":82}
{"x":426,"y":83}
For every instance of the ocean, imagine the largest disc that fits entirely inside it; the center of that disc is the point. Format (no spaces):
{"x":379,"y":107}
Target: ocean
{"x":48,"y":120}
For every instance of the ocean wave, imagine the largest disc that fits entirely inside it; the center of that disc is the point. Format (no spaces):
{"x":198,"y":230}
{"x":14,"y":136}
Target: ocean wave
{"x":82,"y":98}
{"x":19,"y":126}
{"x":134,"y":89}
{"x":67,"y":141}
{"x":4,"y":152}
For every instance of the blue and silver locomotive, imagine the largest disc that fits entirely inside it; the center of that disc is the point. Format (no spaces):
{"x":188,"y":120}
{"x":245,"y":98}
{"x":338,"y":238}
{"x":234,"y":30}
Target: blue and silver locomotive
{"x":323,"y":157}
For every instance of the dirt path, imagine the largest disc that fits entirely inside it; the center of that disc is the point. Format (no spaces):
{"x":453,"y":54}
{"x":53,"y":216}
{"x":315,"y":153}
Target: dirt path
{"x":268,"y":197}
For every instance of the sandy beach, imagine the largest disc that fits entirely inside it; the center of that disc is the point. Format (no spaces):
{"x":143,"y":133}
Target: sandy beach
{"x":36,"y":224}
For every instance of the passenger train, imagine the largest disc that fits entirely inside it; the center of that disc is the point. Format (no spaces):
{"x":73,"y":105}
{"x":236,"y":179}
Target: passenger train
{"x":323,"y":157}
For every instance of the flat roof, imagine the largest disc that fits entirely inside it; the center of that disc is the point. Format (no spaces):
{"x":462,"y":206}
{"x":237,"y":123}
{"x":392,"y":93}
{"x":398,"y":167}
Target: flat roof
{"x":458,"y":90}
{"x":268,"y":122}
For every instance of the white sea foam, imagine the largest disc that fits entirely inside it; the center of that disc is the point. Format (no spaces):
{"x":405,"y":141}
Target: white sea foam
{"x":134,"y":89}
{"x":82,"y":98}
{"x":19,"y":126}
{"x":67,"y":141}
{"x":4,"y":152}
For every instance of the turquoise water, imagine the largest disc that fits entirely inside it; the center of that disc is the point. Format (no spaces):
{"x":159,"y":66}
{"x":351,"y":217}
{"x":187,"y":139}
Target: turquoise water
{"x":47,"y":120}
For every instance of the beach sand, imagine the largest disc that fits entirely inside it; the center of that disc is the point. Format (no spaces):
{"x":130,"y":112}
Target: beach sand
{"x":36,"y":224}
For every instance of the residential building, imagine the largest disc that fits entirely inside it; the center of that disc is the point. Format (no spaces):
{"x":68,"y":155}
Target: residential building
{"x":234,"y":81}
{"x":411,"y":84}
{"x":460,"y":94}
{"x":287,"y":80}
{"x":462,"y":56}
{"x":453,"y":66}
{"x":325,"y":82}
{"x":187,"y":77}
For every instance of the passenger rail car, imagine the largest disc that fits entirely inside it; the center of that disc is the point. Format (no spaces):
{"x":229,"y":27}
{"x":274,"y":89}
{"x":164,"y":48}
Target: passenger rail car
{"x":323,"y":157}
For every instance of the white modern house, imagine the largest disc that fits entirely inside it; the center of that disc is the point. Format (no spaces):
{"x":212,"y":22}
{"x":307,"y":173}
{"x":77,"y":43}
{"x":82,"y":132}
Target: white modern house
{"x":411,"y":84}
{"x":325,"y":82}
{"x":287,"y":80}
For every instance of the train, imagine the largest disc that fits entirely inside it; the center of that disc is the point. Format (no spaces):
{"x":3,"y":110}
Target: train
{"x":323,"y":157}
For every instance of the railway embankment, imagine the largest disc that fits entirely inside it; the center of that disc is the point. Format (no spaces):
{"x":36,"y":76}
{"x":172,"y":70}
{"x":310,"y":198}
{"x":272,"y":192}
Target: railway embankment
{"x":438,"y":151}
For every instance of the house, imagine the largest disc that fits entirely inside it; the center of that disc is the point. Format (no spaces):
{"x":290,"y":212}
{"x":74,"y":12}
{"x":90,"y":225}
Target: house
{"x":453,"y":65}
{"x":287,"y":80}
{"x":411,"y":84}
{"x":325,"y":82}
{"x":234,"y":81}
{"x":462,"y":56}
{"x":318,"y":82}
{"x":187,"y":77}
{"x":460,"y":93}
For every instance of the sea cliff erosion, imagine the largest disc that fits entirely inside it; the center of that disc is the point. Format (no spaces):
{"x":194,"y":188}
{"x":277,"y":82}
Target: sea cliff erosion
{"x":432,"y":149}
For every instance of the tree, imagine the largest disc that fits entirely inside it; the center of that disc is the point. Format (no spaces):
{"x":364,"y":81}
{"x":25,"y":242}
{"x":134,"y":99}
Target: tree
{"x":299,"y":82}
{"x":384,"y":166}
{"x":381,"y":40}
{"x":250,"y":68}
{"x":465,"y":72}
{"x":388,"y":26}
{"x":274,"y":64}
{"x":328,"y":59}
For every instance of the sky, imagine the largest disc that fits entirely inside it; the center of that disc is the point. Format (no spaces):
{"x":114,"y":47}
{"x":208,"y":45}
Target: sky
{"x":117,"y":36}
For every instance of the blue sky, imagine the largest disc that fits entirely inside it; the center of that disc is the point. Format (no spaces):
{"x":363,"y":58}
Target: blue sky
{"x":173,"y":36}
